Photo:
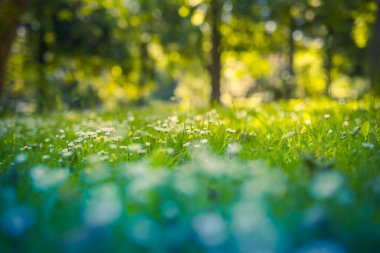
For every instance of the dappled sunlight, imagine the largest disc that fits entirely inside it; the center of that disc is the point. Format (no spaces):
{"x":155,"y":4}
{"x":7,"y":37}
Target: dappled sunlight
{"x":218,"y":126}
{"x":124,"y":52}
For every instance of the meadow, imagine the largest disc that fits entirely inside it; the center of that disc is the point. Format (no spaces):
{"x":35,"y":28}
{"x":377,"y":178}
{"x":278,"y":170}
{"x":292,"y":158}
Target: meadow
{"x":299,"y":176}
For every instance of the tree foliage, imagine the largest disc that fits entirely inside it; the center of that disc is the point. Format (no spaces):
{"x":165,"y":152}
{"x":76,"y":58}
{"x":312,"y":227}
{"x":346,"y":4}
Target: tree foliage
{"x":60,"y":52}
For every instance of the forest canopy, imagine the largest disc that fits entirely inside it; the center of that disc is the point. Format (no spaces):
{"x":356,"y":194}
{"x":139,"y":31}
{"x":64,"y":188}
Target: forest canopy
{"x":87,"y":53}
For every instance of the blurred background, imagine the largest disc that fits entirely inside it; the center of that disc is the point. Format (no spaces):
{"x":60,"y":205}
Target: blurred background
{"x":80,"y":54}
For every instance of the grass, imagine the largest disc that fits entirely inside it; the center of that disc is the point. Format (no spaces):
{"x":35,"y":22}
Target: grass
{"x":286,"y":177}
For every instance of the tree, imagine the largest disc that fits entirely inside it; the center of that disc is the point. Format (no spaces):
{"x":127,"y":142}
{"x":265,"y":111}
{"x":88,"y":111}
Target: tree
{"x":336,"y":21}
{"x":195,"y":14}
{"x":375,"y":53}
{"x":11,"y":12}
{"x":68,"y":32}
{"x":157,"y":28}
{"x":215,"y":69}
{"x":288,"y":15}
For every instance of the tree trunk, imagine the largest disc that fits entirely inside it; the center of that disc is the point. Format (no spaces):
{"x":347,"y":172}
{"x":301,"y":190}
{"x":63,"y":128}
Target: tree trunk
{"x":7,"y":37}
{"x":42,"y":88}
{"x":10,"y":19}
{"x":215,"y":51}
{"x":329,"y":61}
{"x":144,"y":57}
{"x":375,"y":54}
{"x":290,"y":83}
